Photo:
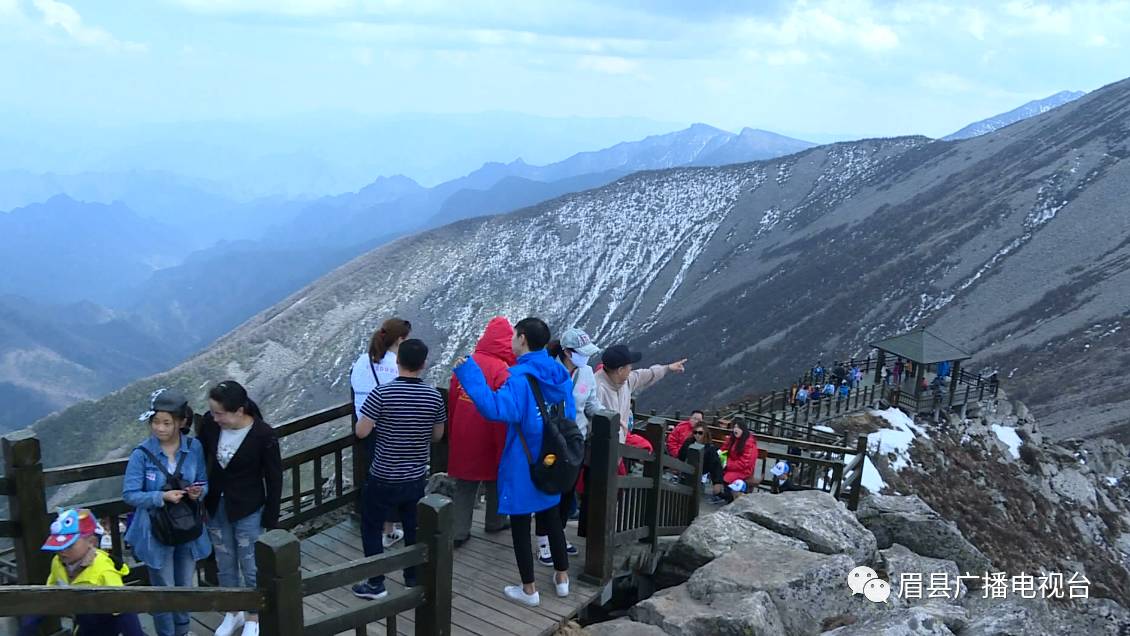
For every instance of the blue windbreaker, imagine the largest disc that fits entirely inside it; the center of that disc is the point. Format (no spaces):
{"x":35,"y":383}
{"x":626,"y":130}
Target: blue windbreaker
{"x":514,"y":404}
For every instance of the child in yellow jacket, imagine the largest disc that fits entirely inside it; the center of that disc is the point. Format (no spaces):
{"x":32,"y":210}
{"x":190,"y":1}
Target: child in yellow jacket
{"x":78,"y":561}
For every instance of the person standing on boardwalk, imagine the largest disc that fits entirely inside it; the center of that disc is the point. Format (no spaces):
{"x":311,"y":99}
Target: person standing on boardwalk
{"x":617,"y":381}
{"x":244,"y":489}
{"x":374,"y":367}
{"x":475,"y":444}
{"x":514,"y":403}
{"x":406,"y":416}
{"x":167,"y":471}
{"x":573,"y":350}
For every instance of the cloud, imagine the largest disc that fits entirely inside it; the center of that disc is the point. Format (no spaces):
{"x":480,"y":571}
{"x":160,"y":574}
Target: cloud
{"x":64,"y":17}
{"x":607,"y":64}
{"x":831,"y":25}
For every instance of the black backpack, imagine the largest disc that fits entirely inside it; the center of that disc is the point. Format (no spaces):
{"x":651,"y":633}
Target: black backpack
{"x":175,"y":523}
{"x":562,"y":447}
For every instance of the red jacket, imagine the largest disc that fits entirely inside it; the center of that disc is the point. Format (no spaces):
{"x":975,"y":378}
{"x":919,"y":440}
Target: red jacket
{"x":475,"y":444}
{"x":739,"y":466}
{"x":675,"y":440}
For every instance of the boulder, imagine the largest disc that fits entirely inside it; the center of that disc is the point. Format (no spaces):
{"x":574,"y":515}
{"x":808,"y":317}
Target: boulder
{"x":1038,"y":616}
{"x":913,"y":621}
{"x":823,"y":523}
{"x":709,"y":537}
{"x":624,"y":627}
{"x":440,"y":484}
{"x":675,"y":612}
{"x":934,"y":576}
{"x":909,"y":521}
{"x":954,"y":616}
{"x":992,"y":617}
{"x":1074,"y":485}
{"x":805,"y":587}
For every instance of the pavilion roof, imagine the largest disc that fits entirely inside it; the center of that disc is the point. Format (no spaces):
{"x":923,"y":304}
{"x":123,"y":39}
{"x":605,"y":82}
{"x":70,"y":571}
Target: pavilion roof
{"x":922,"y":347}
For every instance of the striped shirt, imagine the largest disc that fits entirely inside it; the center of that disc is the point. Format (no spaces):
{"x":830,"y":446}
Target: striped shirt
{"x":405,"y":411}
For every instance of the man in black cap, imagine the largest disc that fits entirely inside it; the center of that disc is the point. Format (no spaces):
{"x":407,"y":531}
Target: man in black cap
{"x":617,"y":381}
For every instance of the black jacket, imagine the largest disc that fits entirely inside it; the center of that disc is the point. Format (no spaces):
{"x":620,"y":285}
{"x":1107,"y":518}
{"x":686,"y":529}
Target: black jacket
{"x":253,"y":477}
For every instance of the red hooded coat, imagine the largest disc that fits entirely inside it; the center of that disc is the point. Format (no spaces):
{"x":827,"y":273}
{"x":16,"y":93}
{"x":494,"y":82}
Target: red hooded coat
{"x":739,"y":466}
{"x":475,"y":444}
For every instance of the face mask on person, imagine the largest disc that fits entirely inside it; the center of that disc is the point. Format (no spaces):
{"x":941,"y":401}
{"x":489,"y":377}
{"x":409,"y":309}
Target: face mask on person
{"x":579,"y":359}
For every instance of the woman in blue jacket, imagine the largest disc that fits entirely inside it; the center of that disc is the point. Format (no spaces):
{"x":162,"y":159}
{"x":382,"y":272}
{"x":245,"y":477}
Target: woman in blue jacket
{"x":143,"y":489}
{"x":514,"y":404}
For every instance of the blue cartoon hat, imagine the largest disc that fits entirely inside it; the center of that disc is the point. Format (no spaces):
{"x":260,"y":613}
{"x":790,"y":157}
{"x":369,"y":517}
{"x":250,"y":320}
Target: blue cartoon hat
{"x":68,"y":527}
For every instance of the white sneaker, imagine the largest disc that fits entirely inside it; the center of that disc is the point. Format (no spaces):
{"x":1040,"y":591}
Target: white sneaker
{"x":251,"y":629}
{"x":392,"y":538}
{"x":231,"y":623}
{"x":518,"y":595}
{"x":562,"y":588}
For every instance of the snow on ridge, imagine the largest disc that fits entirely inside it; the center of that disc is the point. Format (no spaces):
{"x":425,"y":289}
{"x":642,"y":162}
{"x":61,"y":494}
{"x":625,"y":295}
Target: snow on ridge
{"x":596,"y":254}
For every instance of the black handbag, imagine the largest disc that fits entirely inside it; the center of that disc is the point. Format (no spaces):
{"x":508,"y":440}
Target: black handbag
{"x":175,"y":523}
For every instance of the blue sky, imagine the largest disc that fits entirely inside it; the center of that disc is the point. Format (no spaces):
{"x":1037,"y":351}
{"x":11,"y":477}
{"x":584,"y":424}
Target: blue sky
{"x":848,"y":67}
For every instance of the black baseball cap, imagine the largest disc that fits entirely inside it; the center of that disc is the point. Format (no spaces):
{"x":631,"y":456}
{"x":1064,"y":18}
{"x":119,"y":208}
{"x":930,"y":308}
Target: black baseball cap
{"x":617,"y":356}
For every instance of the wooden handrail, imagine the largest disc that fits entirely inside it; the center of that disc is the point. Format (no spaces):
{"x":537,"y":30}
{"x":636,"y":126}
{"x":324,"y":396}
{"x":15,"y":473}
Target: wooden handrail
{"x":52,"y":600}
{"x":336,"y":576}
{"x":349,"y":618}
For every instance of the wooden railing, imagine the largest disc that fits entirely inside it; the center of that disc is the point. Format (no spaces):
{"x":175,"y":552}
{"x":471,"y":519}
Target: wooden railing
{"x":282,"y":586}
{"x":630,"y":508}
{"x":26,"y":484}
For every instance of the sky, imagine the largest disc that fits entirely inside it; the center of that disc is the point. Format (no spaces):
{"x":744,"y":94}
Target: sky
{"x":815,"y":69}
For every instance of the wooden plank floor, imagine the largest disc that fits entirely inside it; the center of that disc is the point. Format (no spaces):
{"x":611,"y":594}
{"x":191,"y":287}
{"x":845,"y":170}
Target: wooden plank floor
{"x":483,"y":566}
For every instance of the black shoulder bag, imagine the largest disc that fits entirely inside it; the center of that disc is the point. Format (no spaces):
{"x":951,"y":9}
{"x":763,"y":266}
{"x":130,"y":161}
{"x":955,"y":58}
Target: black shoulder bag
{"x":562,"y":448}
{"x":175,"y":523}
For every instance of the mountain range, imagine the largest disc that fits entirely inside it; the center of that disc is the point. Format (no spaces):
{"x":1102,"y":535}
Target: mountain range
{"x":1032,"y":108}
{"x":183,"y":263}
{"x":1012,"y":245}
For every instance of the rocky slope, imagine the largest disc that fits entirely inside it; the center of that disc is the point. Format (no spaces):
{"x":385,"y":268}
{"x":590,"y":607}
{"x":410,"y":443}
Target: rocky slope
{"x":1008,"y":244}
{"x":1032,"y":108}
{"x":980,"y":496}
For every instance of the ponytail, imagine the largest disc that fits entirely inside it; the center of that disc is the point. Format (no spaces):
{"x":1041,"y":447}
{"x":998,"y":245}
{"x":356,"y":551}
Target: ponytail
{"x":384,"y":338}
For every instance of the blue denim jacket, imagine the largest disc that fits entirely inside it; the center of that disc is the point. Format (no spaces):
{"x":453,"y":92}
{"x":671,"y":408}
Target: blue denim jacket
{"x":142,"y":489}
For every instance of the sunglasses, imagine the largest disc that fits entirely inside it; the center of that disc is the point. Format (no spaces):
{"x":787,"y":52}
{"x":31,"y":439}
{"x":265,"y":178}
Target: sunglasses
{"x":698,"y":433}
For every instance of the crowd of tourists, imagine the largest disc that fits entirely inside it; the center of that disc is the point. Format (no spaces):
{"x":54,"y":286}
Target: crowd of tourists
{"x":517,"y":419}
{"x":196,"y":490}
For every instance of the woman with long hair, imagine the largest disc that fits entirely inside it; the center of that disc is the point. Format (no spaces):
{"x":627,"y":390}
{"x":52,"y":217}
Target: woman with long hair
{"x":244,"y":489}
{"x":374,"y":367}
{"x":741,"y":457}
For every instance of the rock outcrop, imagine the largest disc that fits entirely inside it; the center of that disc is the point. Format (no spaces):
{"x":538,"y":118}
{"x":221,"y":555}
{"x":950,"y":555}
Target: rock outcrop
{"x":824,"y":524}
{"x":910,"y":522}
{"x":778,"y":564}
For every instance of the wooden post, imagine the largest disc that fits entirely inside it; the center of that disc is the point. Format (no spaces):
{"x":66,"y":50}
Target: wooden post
{"x":653,"y":470}
{"x":27,"y":506}
{"x":436,"y":518}
{"x":601,"y":488}
{"x":857,"y":478}
{"x":919,"y":374}
{"x":278,"y":559}
{"x":694,"y":458}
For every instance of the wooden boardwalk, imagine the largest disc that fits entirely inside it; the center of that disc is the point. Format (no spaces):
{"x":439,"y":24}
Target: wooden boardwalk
{"x":483,"y":566}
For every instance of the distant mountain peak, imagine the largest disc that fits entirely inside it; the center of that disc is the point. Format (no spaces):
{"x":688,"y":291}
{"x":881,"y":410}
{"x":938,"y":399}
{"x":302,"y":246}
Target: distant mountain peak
{"x":1030,"y":109}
